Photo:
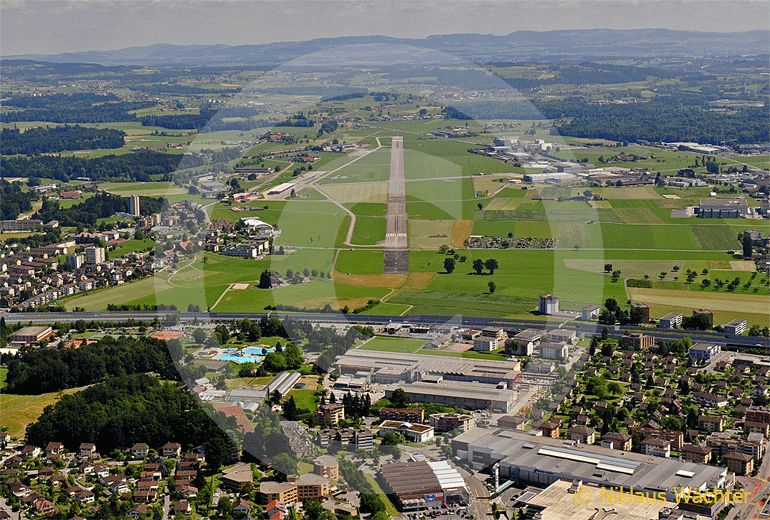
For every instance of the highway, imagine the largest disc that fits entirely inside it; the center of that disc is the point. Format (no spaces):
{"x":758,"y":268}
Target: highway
{"x":581,"y":327}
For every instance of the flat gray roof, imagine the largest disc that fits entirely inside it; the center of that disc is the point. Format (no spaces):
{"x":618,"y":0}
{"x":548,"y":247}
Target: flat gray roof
{"x":589,"y":463}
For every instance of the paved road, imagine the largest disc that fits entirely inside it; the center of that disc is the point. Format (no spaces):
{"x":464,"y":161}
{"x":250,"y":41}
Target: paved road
{"x":760,"y":487}
{"x":479,"y":494}
{"x":396,"y":244}
{"x":318,"y":317}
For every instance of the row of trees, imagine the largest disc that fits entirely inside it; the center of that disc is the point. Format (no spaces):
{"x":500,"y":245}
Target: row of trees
{"x":491,"y":265}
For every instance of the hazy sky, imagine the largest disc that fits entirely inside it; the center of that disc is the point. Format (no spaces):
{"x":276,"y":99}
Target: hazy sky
{"x":54,"y":26}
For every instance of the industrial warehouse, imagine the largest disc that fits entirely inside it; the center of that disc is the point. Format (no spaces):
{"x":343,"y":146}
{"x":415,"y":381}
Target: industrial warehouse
{"x":541,"y":461}
{"x":465,"y":383}
{"x":421,"y":485}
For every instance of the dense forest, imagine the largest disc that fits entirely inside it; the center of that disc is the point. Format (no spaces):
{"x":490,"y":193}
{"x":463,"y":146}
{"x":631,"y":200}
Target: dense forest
{"x":125,"y":410}
{"x":135,"y":166}
{"x":14,"y":201}
{"x":99,"y":206}
{"x":71,"y":108}
{"x":39,"y":140}
{"x":37,"y":371}
{"x":667,"y":118}
{"x":663,"y":122}
{"x":210,"y":120}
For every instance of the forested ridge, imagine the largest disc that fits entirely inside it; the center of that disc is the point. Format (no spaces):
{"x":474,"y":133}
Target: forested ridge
{"x":128,"y":409}
{"x":36,"y":371}
{"x":84,"y":107}
{"x":139,"y":165}
{"x":667,"y":118}
{"x":39,"y":140}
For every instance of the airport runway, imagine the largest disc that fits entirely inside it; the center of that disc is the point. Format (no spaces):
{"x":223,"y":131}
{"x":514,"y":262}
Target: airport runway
{"x":396,"y":244}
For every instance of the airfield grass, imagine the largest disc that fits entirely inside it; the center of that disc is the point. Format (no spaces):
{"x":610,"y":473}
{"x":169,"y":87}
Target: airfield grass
{"x":373,"y":167}
{"x":148,"y":189}
{"x":385,"y":344}
{"x":269,"y":211}
{"x":432,"y":158}
{"x":370,"y":223}
{"x":314,"y":295}
{"x":355,"y":192}
{"x":18,"y":411}
{"x":360,"y":261}
{"x":429,"y":234}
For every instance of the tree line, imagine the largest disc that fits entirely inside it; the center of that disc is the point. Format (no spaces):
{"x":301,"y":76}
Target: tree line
{"x":99,"y":206}
{"x":34,"y":141}
{"x":138,"y":165}
{"x":83,"y":107}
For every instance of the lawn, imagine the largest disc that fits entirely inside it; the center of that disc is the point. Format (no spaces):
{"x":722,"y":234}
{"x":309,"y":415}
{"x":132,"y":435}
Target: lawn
{"x":132,"y":246}
{"x":18,"y":411}
{"x":305,"y":398}
{"x":386,"y":344}
{"x":3,"y":376}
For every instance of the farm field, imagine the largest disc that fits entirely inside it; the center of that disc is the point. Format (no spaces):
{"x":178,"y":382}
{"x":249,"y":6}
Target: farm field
{"x":451,"y":194}
{"x":725,"y":306}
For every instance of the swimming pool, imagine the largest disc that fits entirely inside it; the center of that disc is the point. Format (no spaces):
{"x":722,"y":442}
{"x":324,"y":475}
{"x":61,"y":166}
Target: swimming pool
{"x":247,"y":355}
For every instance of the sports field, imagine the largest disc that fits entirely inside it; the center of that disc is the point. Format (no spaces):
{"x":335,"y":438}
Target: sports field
{"x":386,"y":344}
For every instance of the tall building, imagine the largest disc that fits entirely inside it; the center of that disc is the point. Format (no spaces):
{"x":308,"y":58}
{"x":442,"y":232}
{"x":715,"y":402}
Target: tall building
{"x":95,"y":255}
{"x":75,"y":261}
{"x":133,"y":205}
{"x":549,"y":304}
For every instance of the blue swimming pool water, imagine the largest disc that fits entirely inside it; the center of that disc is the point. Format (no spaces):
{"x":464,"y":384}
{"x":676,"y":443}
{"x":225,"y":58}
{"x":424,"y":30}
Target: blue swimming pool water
{"x":247,"y":355}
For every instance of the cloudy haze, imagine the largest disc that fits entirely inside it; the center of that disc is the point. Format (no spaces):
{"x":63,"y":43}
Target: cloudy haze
{"x":54,"y":26}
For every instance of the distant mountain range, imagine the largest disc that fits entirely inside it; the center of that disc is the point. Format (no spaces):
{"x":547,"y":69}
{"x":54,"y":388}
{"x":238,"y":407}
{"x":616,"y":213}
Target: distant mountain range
{"x":553,"y":46}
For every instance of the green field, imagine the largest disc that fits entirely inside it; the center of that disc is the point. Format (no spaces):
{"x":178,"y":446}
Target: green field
{"x":18,"y":411}
{"x":132,"y":246}
{"x":386,"y":344}
{"x":630,"y":227}
{"x":304,"y":398}
{"x":370,"y":223}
